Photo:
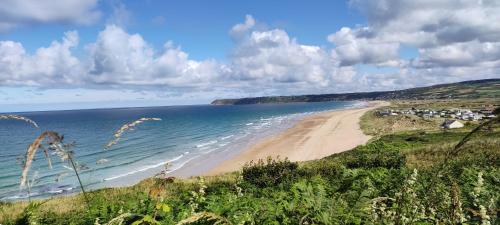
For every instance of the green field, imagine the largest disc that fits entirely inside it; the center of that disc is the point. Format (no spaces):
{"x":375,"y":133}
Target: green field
{"x":468,"y":90}
{"x":402,"y":176}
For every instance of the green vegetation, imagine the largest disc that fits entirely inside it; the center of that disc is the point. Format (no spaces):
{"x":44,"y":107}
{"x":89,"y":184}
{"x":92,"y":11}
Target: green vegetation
{"x":406,"y":176}
{"x":375,"y":125}
{"x":472,"y":104}
{"x":485,"y":89}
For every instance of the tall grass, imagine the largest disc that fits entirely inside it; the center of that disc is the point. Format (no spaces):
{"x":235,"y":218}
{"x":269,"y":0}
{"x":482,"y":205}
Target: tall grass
{"x":128,"y":126}
{"x":52,"y":142}
{"x":16,"y":117}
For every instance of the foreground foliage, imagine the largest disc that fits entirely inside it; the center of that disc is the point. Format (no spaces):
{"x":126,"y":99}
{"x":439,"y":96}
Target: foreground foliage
{"x":397,"y":179}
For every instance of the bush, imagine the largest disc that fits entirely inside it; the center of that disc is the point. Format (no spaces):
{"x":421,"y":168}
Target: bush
{"x":389,"y":159}
{"x":416,"y":138}
{"x":373,"y":155}
{"x":270,"y":173}
{"x":326,"y":168}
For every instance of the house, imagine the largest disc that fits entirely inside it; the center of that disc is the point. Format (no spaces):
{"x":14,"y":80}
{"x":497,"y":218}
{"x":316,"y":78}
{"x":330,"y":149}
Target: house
{"x":451,"y":124}
{"x":384,"y":113}
{"x":486,"y":111}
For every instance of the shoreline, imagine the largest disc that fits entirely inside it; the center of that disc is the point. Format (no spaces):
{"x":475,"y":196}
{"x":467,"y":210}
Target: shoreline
{"x":203,"y":164}
{"x":312,"y":137}
{"x":212,"y":164}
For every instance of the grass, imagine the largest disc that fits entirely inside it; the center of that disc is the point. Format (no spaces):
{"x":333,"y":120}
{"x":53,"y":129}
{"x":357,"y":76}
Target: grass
{"x":448,"y":103}
{"x":372,"y":124}
{"x":399,"y":177}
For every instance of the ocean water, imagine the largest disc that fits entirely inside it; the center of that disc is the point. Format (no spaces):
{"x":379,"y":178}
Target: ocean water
{"x":185,"y":135}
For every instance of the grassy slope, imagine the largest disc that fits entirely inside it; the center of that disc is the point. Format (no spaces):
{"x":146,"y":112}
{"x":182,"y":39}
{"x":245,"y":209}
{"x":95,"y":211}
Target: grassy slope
{"x":485,"y":89}
{"x":339,"y":189}
{"x":376,"y":126}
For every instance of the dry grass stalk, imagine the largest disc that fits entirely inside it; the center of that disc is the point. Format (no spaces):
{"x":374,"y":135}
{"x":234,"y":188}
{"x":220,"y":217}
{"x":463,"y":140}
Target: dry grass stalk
{"x":53,"y":137}
{"x":16,"y":117}
{"x":204,"y":217}
{"x":117,"y":135}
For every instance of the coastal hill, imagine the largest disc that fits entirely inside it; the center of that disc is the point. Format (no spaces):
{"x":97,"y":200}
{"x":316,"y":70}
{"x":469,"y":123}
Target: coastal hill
{"x":488,"y":88}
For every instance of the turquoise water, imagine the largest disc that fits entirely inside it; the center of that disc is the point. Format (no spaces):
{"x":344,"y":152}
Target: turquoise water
{"x":185,"y":134}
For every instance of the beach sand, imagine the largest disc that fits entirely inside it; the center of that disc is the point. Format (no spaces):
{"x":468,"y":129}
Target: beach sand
{"x":311,"y":138}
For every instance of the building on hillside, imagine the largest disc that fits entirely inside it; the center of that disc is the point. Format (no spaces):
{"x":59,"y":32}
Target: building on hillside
{"x":452,"y":124}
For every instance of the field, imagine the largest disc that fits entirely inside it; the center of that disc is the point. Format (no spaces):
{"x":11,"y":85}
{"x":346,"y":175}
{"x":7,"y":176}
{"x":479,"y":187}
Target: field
{"x":409,"y":173}
{"x":376,"y":126}
{"x":448,"y":103}
{"x":488,"y":89}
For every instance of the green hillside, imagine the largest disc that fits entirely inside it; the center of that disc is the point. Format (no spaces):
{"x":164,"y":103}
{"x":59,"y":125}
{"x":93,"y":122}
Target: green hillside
{"x":489,"y":88}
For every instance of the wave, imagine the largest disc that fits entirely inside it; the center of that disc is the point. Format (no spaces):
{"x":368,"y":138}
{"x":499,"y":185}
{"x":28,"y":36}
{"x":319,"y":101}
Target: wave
{"x":226,"y":137}
{"x":181,"y":165}
{"x":144,"y":168}
{"x":43,"y":190}
{"x":206,"y":144}
{"x":224,"y":144}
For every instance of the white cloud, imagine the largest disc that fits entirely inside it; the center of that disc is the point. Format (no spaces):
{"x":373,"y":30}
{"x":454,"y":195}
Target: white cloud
{"x":430,"y":22}
{"x":120,"y":58}
{"x":455,"y":40}
{"x":115,"y":58}
{"x":239,"y":29}
{"x":269,"y":61}
{"x":47,"y":66}
{"x":434,"y":27}
{"x":464,"y":54}
{"x":21,"y":12}
{"x":271,"y":56}
{"x":352,"y":48}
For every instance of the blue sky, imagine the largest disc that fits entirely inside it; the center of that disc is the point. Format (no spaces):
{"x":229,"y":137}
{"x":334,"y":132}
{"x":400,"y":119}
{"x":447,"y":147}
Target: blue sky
{"x":194,"y":23}
{"x":110,"y":53}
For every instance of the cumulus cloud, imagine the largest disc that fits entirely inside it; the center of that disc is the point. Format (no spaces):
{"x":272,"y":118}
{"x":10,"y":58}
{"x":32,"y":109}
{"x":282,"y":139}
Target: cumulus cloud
{"x":20,"y":12}
{"x":115,"y":58}
{"x":272,"y":56}
{"x":446,"y":33}
{"x":240,"y":29}
{"x":428,"y":22}
{"x":52,"y":65}
{"x":352,"y":47}
{"x":465,"y":54}
{"x":118,"y":57}
{"x":455,"y":40}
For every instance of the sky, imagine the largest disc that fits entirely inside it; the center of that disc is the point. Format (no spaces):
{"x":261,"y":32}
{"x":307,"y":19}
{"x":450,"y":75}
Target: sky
{"x":74,"y":54}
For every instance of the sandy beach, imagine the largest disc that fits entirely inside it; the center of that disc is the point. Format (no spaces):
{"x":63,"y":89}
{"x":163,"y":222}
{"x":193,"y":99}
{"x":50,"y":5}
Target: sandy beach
{"x":311,"y":138}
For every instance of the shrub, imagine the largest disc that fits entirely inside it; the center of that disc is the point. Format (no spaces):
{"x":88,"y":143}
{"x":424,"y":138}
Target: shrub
{"x":416,"y":138}
{"x":328,"y":169}
{"x":270,"y":173}
{"x":373,"y":159}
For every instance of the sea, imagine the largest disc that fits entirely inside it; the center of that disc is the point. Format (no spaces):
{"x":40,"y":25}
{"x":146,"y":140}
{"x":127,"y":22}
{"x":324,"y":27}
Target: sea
{"x":184,"y":139}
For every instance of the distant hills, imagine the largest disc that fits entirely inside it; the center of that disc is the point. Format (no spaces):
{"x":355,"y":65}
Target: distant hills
{"x":488,"y":88}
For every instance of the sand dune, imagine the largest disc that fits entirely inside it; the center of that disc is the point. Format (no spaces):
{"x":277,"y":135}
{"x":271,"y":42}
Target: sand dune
{"x":313,"y":137}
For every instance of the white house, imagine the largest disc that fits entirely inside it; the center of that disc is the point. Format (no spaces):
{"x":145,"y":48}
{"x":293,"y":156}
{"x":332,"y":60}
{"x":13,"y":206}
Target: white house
{"x":451,"y":124}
